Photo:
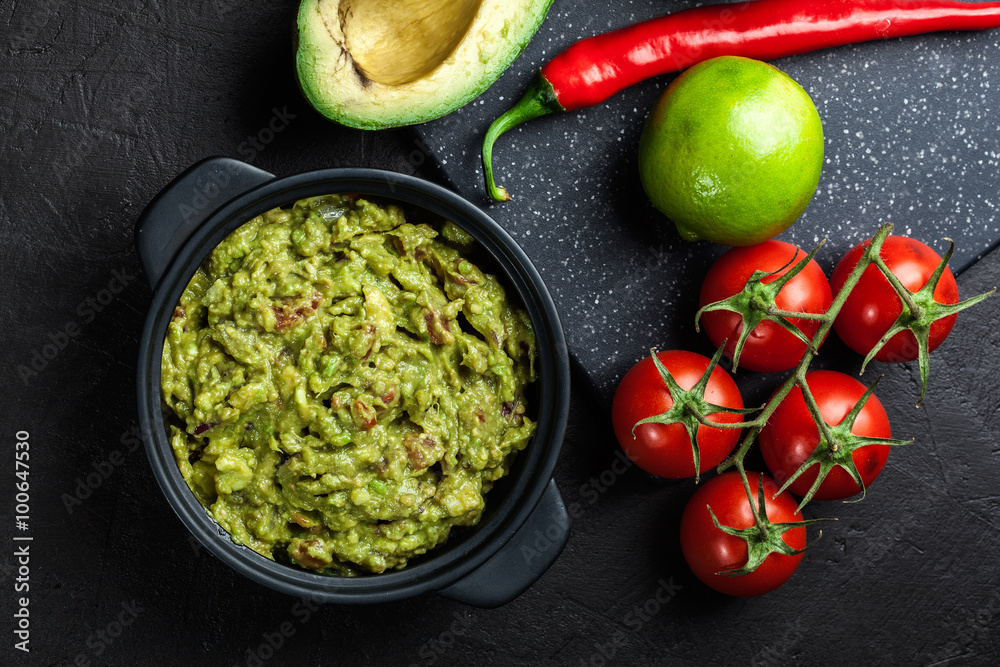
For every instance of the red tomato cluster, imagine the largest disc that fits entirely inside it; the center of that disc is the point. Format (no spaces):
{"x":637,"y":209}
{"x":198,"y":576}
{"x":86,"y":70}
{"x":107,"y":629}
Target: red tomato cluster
{"x":790,"y":437}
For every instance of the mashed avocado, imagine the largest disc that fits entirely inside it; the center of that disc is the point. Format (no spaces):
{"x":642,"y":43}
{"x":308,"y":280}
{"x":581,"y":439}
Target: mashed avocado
{"x":345,"y":385}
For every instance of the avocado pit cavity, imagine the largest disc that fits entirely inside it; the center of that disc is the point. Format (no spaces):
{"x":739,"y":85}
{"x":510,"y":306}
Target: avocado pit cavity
{"x":395,"y":42}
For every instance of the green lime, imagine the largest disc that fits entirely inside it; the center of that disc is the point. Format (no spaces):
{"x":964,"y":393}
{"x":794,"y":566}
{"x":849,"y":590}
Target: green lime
{"x":732,"y":151}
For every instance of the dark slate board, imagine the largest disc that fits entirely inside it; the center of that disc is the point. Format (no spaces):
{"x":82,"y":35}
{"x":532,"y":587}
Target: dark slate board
{"x":912,"y":137}
{"x":105,"y":102}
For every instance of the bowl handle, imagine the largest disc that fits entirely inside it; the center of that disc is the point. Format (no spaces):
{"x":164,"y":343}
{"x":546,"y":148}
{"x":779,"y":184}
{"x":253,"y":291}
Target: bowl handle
{"x":521,"y":561}
{"x":184,"y":204}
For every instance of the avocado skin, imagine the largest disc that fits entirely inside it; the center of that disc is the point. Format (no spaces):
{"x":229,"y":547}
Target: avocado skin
{"x":336,"y":88}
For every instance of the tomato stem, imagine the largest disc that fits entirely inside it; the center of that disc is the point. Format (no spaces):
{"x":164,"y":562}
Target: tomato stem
{"x":837,"y":445}
{"x":798,"y":374}
{"x":826,"y":433}
{"x":764,"y":537}
{"x":690,"y":406}
{"x":757,"y":300}
{"x":905,"y":295}
{"x":797,"y":315}
{"x":918,"y":311}
{"x":837,"y":442}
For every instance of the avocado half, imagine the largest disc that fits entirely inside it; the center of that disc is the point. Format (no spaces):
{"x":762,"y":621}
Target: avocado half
{"x":375,"y":64}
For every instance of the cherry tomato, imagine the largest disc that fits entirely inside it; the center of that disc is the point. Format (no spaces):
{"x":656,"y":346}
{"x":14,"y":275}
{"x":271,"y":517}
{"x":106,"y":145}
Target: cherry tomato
{"x":665,"y":449}
{"x":790,"y":435}
{"x":873,"y":305}
{"x":769,"y":347}
{"x":709,"y":551}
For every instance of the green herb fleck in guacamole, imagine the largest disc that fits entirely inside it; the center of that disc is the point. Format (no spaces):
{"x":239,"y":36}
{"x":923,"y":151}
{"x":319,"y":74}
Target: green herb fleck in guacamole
{"x":345,"y":385}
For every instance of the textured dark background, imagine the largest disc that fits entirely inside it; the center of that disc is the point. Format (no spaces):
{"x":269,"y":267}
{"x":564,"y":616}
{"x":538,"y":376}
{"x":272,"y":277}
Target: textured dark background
{"x":101,"y":105}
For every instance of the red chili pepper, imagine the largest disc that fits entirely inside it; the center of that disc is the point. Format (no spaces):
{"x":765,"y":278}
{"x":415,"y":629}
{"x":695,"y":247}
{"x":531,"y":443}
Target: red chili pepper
{"x":593,"y":69}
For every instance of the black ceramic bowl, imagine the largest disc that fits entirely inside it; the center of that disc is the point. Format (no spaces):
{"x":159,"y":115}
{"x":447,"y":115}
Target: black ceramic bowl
{"x":525,"y":524}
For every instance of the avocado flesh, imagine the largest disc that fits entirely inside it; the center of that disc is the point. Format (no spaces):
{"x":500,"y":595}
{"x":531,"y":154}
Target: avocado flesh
{"x":384,"y":63}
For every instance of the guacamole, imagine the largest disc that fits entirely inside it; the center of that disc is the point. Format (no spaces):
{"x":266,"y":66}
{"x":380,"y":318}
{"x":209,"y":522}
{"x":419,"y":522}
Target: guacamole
{"x":344,"y":385}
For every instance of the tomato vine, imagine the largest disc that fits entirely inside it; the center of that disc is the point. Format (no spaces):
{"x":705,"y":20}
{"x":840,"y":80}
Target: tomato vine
{"x":913,"y":316}
{"x":756,"y":304}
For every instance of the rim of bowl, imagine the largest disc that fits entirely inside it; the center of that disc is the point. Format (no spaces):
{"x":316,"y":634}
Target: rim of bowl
{"x":552,"y":388}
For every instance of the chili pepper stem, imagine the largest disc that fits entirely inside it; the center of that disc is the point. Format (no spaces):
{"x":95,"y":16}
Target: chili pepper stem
{"x":538,"y":100}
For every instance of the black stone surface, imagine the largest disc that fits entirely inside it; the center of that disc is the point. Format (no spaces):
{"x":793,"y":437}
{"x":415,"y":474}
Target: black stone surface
{"x":911,"y":137}
{"x":102,"y":104}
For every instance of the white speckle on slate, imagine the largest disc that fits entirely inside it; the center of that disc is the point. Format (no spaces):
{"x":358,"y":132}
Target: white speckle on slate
{"x":911,"y":128}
